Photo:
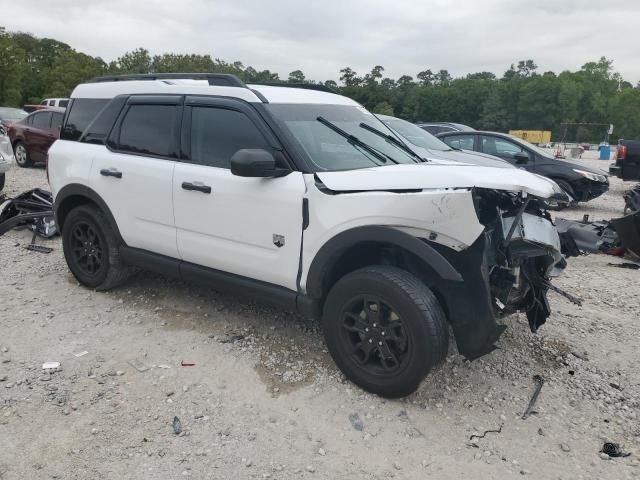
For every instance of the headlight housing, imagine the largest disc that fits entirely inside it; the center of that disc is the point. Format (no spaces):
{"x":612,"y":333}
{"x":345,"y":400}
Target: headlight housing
{"x":594,"y":177}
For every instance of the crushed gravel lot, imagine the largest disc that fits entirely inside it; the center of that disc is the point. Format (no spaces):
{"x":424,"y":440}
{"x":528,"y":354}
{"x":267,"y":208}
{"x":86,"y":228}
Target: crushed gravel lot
{"x":264,"y":399}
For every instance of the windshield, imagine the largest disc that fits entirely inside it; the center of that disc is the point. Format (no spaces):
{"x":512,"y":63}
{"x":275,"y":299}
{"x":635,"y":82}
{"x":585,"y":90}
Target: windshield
{"x":414,"y":134}
{"x":538,"y":150}
{"x":328,"y":149}
{"x":12,"y":114}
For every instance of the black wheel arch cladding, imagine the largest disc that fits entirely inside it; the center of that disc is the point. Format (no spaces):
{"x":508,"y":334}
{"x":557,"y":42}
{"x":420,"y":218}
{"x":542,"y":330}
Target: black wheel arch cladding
{"x":75,"y":194}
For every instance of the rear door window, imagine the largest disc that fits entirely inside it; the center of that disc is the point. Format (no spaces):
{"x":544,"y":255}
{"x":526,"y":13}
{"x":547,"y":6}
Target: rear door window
{"x":81,"y":113}
{"x":461,"y":142}
{"x":56,"y":120}
{"x":149,"y":130}
{"x":217,"y":133}
{"x":41,"y":120}
{"x":501,"y":147}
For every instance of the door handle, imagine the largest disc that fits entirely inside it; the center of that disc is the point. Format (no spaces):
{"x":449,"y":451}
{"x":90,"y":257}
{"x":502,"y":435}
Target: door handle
{"x":110,"y":172}
{"x":196,"y":187}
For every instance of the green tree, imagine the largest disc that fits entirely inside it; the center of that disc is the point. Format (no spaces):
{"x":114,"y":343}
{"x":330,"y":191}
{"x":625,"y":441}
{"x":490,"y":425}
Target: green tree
{"x":297,"y":76}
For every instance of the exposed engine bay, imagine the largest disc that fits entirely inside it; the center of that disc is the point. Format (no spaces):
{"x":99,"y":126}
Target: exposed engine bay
{"x":523,"y":253}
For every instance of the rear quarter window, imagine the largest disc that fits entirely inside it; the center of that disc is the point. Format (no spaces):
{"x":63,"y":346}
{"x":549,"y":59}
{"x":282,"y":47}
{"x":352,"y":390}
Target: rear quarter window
{"x":80,"y":114}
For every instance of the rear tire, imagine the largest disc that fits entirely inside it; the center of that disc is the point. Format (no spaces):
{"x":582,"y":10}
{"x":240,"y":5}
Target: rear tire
{"x":23,"y":159}
{"x":384,"y":329}
{"x":92,"y":250}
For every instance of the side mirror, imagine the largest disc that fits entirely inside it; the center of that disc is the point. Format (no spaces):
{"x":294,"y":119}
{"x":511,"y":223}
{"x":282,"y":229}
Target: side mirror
{"x":255,"y":163}
{"x":521,"y":158}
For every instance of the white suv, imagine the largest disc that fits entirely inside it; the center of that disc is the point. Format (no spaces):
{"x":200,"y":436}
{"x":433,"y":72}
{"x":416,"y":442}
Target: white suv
{"x":303,"y":198}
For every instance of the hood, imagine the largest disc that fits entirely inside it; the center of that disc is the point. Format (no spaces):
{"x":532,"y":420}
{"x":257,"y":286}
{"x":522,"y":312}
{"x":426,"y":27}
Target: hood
{"x":582,"y":167}
{"x":436,"y":176}
{"x":545,"y":160}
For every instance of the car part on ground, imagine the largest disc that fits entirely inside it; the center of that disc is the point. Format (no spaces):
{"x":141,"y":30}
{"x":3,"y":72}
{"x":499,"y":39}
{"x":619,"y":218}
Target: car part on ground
{"x":627,"y":164}
{"x":600,"y":237}
{"x":628,"y":229}
{"x":33,"y":208}
{"x":632,"y":199}
{"x":591,"y":237}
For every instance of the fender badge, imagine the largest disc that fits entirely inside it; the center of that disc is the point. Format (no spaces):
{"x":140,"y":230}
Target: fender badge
{"x":278,"y":240}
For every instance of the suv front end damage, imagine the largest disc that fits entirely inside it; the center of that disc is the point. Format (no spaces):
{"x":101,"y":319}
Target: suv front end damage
{"x":508,"y":269}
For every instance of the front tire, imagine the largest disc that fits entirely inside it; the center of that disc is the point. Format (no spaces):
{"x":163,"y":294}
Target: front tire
{"x":92,"y":250}
{"x":384,"y":329}
{"x":23,"y":159}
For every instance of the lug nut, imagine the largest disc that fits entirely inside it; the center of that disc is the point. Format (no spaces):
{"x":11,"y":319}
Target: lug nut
{"x":370,"y":340}
{"x":380,"y":343}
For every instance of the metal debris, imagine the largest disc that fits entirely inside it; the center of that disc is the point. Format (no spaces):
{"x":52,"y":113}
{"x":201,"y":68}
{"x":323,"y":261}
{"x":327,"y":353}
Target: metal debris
{"x":629,"y":265}
{"x":485,"y":433}
{"x":613,"y":450}
{"x":529,"y":411}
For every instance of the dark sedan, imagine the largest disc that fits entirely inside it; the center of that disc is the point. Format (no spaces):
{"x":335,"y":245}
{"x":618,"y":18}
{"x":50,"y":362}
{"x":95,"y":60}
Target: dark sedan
{"x":579,"y":181}
{"x":32,"y":136}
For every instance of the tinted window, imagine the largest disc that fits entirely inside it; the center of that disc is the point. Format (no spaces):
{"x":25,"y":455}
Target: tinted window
{"x":56,"y":120}
{"x":149,"y":129}
{"x":83,"y":110}
{"x":63,"y":103}
{"x":462,"y":142}
{"x":500,"y":147}
{"x":216,"y":134}
{"x":44,"y":102}
{"x":41,"y":120}
{"x":52,"y":103}
{"x":99,"y":128}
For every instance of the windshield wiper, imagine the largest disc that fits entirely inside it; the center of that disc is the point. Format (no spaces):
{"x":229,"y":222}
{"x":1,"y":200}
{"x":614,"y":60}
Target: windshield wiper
{"x":394,"y":141}
{"x":352,"y":139}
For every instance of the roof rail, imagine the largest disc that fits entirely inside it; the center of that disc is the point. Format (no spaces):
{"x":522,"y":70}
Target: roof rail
{"x":218,"y":79}
{"x":306,"y":86}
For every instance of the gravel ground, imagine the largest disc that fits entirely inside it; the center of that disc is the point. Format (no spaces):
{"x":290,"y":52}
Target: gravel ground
{"x":264,"y":399}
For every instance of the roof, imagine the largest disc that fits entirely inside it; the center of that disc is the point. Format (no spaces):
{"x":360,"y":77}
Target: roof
{"x":48,"y":109}
{"x":273,"y":94}
{"x":459,"y":126}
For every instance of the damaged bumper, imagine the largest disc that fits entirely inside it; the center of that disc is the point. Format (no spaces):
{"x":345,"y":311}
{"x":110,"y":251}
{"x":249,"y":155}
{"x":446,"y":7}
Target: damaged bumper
{"x":507,"y":269}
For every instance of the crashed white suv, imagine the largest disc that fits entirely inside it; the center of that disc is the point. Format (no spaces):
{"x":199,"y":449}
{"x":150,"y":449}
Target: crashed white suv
{"x":303,"y":198}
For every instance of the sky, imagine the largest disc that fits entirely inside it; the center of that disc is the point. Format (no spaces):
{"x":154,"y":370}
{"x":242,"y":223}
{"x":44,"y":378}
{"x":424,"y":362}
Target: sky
{"x":321,"y":37}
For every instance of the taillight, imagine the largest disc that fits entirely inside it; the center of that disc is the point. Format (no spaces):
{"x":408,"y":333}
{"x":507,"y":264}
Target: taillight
{"x":622,"y":152}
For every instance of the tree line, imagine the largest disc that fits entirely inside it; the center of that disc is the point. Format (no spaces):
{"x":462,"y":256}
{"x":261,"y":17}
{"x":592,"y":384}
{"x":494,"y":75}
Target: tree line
{"x":33,"y":68}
